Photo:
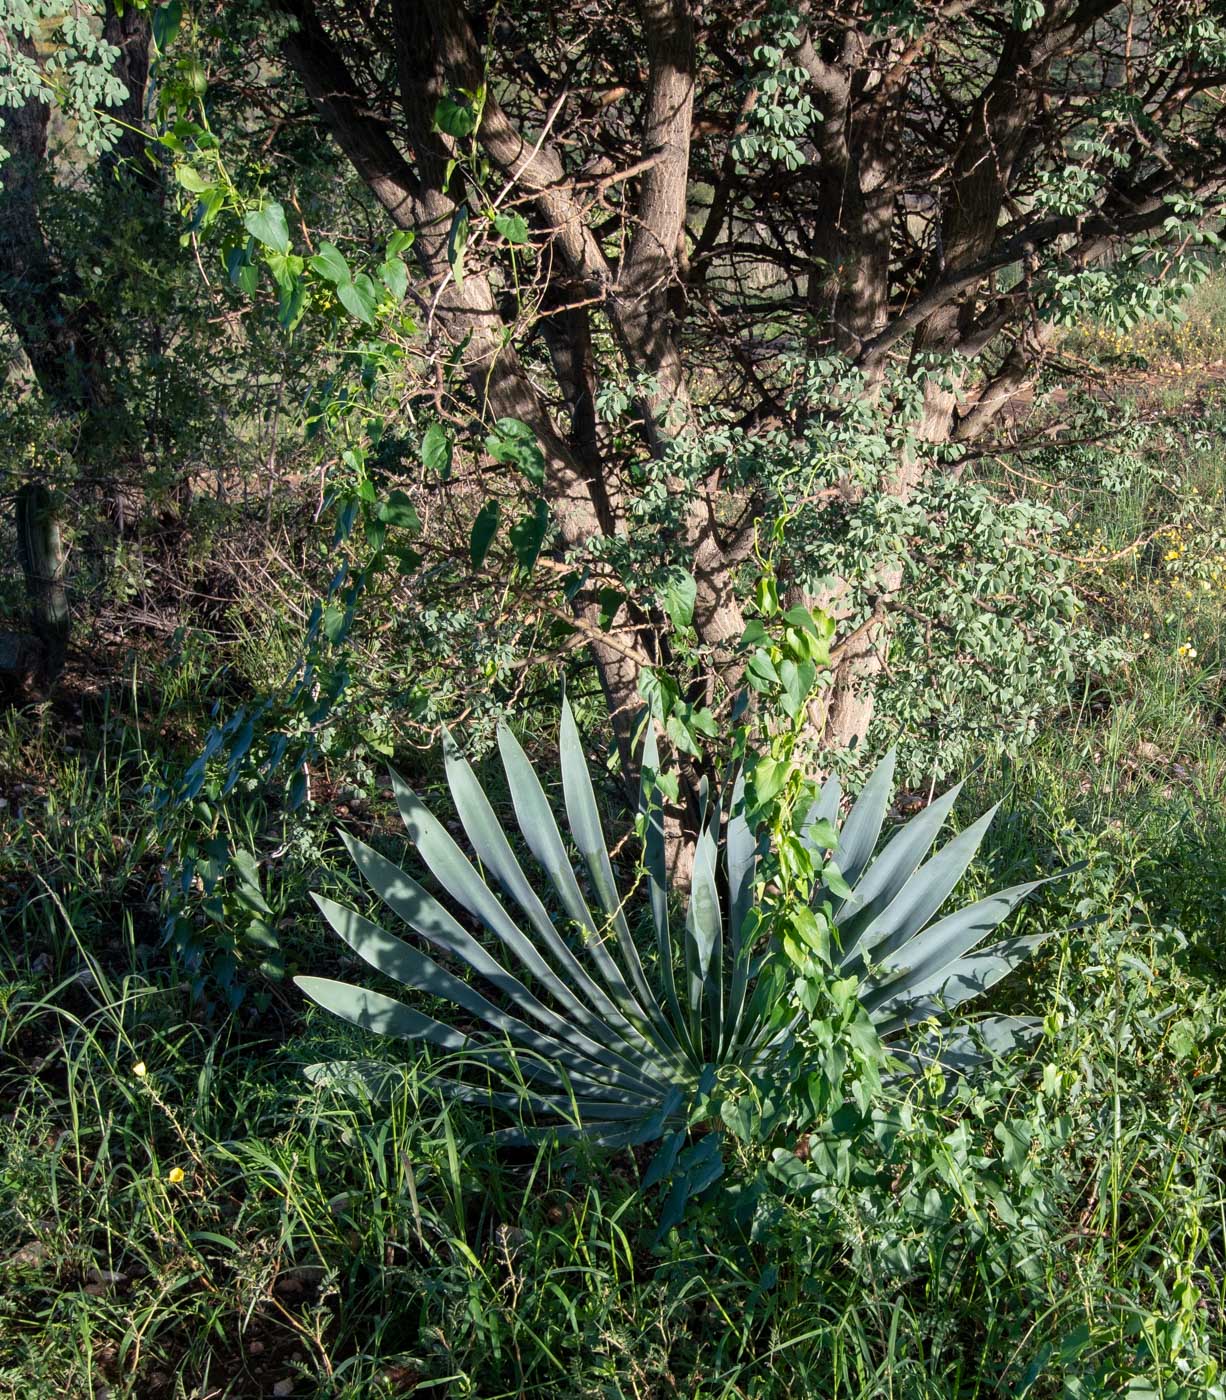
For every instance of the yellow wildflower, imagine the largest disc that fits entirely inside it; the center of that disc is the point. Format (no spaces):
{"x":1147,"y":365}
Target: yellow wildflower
{"x":175,"y":1175}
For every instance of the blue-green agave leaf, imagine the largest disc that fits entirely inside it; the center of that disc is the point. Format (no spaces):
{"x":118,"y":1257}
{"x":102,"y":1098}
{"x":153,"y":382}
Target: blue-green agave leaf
{"x":423,"y":913}
{"x":651,"y":806}
{"x":540,"y":830}
{"x":824,"y":809}
{"x":494,"y":851}
{"x":372,"y":1011}
{"x":704,"y":929}
{"x":961,"y":1049}
{"x":742,"y":851}
{"x":953,"y":984}
{"x":413,"y":968}
{"x":950,"y":938}
{"x":887,"y":875}
{"x":858,"y":839}
{"x":923,"y":894}
{"x":589,"y":836}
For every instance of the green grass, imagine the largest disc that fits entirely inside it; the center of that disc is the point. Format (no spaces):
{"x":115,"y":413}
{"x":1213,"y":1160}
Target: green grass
{"x":1058,"y":1233}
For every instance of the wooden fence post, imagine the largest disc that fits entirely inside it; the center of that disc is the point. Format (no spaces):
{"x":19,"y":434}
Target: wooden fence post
{"x":43,"y":560}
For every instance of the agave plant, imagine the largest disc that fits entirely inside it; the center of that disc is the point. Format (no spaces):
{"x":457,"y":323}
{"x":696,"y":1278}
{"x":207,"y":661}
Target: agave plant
{"x":574,"y":1029}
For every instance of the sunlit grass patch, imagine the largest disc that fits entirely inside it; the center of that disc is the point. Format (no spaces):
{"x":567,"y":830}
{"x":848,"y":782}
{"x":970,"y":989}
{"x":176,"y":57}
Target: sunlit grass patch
{"x":1180,"y":347}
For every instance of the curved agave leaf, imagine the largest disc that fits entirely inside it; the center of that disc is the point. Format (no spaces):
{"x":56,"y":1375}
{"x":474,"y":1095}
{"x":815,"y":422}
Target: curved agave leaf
{"x":540,"y":831}
{"x":494,"y":851}
{"x":578,"y":1034}
{"x":961,"y":1049}
{"x":824,"y":809}
{"x":585,"y":827}
{"x":705,"y":935}
{"x":893,"y":868}
{"x":941,"y":943}
{"x":413,"y":968}
{"x":922,"y":895}
{"x":860,"y":833}
{"x":742,"y":852}
{"x":427,"y":917}
{"x":949,"y":987}
{"x":372,"y":1011}
{"x":651,"y":808}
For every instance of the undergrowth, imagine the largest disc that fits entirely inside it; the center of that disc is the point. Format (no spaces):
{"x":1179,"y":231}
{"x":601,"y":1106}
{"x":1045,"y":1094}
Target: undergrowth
{"x":182,"y":1214}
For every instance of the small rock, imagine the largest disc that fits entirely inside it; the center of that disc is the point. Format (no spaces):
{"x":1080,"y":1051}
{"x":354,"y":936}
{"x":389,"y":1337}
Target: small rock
{"x":296,"y":1279}
{"x":32,"y":1253}
{"x":285,"y":1387}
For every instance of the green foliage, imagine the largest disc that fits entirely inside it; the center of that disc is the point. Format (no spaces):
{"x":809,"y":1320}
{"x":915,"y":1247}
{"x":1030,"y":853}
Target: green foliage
{"x":782,"y":111}
{"x":270,"y":743}
{"x":254,"y":231}
{"x":1050,"y":1222}
{"x":854,"y":1224}
{"x":76,"y":76}
{"x":987,"y":638}
{"x":990,"y":634}
{"x":1049,"y":1225}
{"x":995,"y":636}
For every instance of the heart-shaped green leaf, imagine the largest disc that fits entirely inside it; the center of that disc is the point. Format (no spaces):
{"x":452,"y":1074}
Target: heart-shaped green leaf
{"x":528,"y":534}
{"x":398,"y":510}
{"x":680,"y":594}
{"x":268,"y":226}
{"x":330,"y":264}
{"x":513,"y":227}
{"x":485,"y":526}
{"x":395,"y":277}
{"x":454,"y":118}
{"x":359,"y":298}
{"x":436,"y":450}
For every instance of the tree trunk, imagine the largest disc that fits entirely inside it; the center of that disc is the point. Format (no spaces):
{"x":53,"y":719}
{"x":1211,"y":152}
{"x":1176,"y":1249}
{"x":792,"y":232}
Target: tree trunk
{"x":43,"y":562}
{"x":60,"y":332}
{"x":32,"y":288}
{"x":127,"y":28}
